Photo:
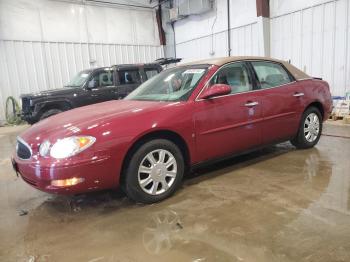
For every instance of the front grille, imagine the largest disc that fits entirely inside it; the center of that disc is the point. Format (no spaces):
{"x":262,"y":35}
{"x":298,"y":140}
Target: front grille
{"x":25,"y":105}
{"x":23,"y":150}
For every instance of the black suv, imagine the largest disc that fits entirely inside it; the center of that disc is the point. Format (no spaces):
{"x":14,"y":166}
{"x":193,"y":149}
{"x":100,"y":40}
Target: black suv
{"x":87,"y":87}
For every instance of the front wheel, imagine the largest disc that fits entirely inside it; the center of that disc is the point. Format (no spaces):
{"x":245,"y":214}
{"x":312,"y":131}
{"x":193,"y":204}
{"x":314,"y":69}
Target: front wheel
{"x":310,"y":129}
{"x":154,"y":172}
{"x":50,"y":112}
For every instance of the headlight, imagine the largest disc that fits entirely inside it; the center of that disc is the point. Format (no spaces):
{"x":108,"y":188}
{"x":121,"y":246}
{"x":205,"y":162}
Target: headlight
{"x":71,"y":146}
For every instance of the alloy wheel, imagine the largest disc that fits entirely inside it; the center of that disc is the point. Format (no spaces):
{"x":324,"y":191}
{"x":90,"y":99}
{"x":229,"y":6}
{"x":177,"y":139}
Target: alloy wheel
{"x":157,"y":172}
{"x":311,"y":127}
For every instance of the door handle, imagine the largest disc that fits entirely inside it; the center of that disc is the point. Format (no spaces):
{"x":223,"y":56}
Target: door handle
{"x":249,"y":104}
{"x":298,"y":94}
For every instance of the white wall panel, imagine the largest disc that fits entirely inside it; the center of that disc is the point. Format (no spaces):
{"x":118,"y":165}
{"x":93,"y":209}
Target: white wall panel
{"x":205,"y":36}
{"x":315,"y":39}
{"x":202,"y":47}
{"x":282,"y":7}
{"x":243,"y":42}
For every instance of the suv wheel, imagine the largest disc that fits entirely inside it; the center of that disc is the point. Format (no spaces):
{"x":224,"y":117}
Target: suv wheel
{"x":49,"y":113}
{"x":310,"y":129}
{"x":154,"y":172}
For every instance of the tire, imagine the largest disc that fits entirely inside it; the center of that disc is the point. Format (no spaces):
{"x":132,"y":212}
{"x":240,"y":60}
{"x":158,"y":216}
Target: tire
{"x":305,"y":139}
{"x":49,"y":113}
{"x":156,"y":175}
{"x":31,"y":121}
{"x":12,"y":111}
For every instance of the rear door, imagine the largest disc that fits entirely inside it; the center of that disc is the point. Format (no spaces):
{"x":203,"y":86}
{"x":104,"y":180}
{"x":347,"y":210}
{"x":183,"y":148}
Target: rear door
{"x":281,"y":98}
{"x":229,"y":124}
{"x":128,"y":80}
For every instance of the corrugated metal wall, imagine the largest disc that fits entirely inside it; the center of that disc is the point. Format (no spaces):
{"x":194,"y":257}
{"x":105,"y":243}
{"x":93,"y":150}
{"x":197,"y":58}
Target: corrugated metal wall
{"x":242,"y":43}
{"x":317,"y":40}
{"x":204,"y":36}
{"x":29,"y":66}
{"x":243,"y":40}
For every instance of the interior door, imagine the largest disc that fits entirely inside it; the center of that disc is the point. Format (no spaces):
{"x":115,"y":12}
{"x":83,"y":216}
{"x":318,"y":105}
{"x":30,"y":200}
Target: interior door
{"x":228,"y":124}
{"x":281,"y":98}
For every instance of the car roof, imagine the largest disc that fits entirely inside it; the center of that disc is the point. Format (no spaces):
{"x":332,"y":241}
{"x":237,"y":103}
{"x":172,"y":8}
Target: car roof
{"x":220,"y":61}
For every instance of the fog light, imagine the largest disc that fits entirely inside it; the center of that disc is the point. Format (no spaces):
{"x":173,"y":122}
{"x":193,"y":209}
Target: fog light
{"x":67,"y":182}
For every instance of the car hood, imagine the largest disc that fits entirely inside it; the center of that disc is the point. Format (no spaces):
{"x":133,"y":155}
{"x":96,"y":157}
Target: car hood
{"x":83,"y":119}
{"x":52,"y":92}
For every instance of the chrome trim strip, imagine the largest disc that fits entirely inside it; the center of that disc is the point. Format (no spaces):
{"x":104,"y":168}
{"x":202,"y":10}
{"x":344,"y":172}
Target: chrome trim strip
{"x":24,"y":143}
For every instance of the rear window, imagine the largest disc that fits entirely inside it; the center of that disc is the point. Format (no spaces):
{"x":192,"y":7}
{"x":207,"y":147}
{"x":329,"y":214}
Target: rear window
{"x":271,"y":74}
{"x":128,"y":77}
{"x":151,"y":72}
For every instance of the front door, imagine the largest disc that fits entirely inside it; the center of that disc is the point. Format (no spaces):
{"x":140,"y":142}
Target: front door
{"x":228,"y":124}
{"x":101,"y":87}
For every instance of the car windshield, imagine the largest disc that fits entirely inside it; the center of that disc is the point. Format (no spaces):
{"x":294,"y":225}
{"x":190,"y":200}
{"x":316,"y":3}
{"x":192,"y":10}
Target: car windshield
{"x":79,"y":79}
{"x":175,"y":84}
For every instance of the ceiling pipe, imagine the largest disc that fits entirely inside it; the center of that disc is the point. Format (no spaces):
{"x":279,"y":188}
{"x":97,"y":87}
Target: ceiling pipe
{"x":228,"y":29}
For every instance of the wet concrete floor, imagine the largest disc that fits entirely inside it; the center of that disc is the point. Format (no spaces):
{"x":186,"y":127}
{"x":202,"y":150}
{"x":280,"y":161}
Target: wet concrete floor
{"x":276,"y":204}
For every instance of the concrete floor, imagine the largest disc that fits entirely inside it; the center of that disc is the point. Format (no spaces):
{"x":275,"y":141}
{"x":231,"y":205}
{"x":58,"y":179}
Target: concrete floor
{"x":277,"y":204}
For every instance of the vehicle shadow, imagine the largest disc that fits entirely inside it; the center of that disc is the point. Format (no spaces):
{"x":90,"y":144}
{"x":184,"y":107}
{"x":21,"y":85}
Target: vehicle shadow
{"x":237,"y":162}
{"x":111,"y":200}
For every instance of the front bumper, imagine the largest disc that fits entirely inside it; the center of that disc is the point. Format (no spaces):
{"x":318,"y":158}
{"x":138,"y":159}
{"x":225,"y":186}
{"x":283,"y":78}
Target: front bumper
{"x":29,"y":117}
{"x":97,"y":174}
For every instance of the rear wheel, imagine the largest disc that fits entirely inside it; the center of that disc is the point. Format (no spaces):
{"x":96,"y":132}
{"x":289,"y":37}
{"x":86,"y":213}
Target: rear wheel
{"x":50,"y":112}
{"x":310,"y":129}
{"x":154,"y":172}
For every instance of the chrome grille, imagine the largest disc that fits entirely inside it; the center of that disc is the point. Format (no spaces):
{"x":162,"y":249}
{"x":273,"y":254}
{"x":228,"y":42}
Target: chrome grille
{"x":23,"y":150}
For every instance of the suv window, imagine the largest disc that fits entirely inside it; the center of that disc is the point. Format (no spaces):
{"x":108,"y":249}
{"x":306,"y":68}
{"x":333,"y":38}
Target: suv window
{"x":128,"y":77}
{"x":151,"y":72}
{"x":101,"y":79}
{"x":235,"y":75}
{"x":270,"y":74}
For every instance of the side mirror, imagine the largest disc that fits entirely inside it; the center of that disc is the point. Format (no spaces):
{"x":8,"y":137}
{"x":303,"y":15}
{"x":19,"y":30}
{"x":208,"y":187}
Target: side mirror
{"x":216,"y":90}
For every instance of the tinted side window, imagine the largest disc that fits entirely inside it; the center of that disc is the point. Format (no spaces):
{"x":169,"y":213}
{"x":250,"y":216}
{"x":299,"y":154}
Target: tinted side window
{"x":101,"y":79}
{"x":235,"y":75}
{"x":151,"y":72}
{"x":270,"y":74}
{"x":128,"y":77}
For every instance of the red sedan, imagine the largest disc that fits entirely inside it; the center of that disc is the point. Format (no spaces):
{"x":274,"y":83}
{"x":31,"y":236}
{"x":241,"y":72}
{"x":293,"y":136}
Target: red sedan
{"x":207,"y":110}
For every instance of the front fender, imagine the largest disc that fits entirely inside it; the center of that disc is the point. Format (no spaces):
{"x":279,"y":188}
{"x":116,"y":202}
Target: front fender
{"x":59,"y":103}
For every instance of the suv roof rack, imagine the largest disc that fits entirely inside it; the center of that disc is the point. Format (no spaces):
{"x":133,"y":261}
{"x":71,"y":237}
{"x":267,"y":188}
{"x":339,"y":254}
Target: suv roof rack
{"x":167,"y":60}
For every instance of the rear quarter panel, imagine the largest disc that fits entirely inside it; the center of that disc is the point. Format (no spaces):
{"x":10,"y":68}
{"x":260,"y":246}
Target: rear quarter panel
{"x":317,"y":91}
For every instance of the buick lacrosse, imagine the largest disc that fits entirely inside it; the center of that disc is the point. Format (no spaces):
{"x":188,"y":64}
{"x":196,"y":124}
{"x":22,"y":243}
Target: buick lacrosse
{"x":178,"y":119}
